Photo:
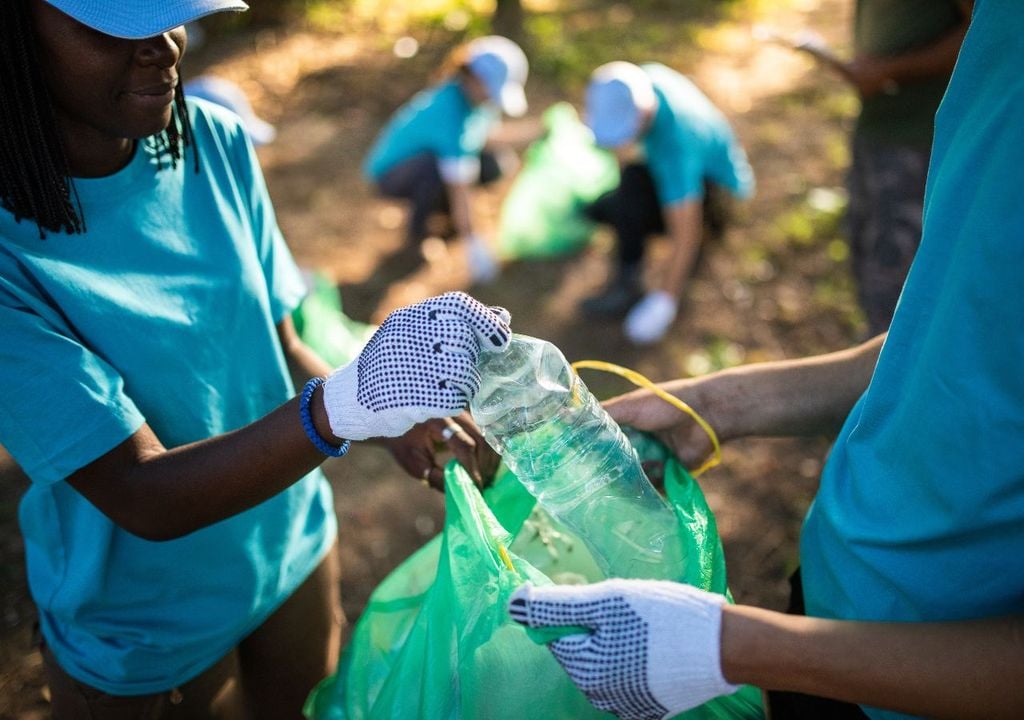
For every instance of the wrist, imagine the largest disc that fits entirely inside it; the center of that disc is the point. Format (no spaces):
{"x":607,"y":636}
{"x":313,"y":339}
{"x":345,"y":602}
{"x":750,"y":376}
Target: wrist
{"x":714,"y":398}
{"x":686,"y":643}
{"x":309,"y":406}
{"x":762,"y":648}
{"x":318,"y":414}
{"x":739,"y":649}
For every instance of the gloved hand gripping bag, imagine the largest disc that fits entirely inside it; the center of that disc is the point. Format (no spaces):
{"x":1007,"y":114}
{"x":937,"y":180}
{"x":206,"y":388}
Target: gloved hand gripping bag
{"x":436,"y":642}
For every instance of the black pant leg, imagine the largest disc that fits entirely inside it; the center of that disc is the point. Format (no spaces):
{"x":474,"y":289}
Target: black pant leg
{"x":633,"y":211}
{"x":417,"y":180}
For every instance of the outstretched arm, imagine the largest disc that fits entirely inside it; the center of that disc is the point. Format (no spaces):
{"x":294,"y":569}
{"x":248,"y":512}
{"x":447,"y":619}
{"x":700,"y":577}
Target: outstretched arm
{"x":872,"y":74}
{"x":808,"y":396}
{"x":461,"y":207}
{"x":684,"y":225}
{"x":938,"y":670}
{"x":420,"y":364}
{"x":653,"y":649}
{"x":303,"y":361}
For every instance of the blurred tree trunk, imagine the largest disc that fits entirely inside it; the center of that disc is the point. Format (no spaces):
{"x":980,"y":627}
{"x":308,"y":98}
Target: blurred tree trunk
{"x":508,"y":19}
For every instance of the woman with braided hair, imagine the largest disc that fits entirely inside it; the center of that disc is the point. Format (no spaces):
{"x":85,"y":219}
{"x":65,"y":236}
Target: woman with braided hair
{"x":179,"y":538}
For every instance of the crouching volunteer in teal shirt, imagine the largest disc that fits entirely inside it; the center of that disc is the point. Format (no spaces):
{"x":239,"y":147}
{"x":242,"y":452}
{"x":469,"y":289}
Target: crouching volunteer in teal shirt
{"x":433,"y":149}
{"x":680,"y":162}
{"x":179,"y":538}
{"x":913,"y":550}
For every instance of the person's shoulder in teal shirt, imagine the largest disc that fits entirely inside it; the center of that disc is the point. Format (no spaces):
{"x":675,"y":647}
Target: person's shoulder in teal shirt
{"x":163,"y":312}
{"x":690,"y":141}
{"x":920,"y":513}
{"x":438,"y":120}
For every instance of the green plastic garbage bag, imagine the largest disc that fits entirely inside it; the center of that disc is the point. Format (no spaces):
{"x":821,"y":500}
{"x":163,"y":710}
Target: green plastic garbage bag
{"x":436,"y":642}
{"x":562,"y":172}
{"x":321,"y":324}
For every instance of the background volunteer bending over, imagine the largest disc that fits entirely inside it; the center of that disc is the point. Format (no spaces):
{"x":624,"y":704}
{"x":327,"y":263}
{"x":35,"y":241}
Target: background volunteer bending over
{"x":911,"y":564}
{"x":678,"y":157}
{"x":179,"y":538}
{"x":432,"y":151}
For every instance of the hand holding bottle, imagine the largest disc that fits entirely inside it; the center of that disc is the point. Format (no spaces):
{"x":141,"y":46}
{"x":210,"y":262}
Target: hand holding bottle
{"x":420,"y":364}
{"x":552,"y":433}
{"x":643,"y":410}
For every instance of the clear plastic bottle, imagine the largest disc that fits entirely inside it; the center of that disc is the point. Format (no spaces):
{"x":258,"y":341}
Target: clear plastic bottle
{"x":570,"y":454}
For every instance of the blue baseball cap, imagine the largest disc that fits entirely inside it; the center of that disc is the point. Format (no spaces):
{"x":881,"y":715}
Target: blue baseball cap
{"x":502,"y":67}
{"x":618,"y":97}
{"x":137,"y":19}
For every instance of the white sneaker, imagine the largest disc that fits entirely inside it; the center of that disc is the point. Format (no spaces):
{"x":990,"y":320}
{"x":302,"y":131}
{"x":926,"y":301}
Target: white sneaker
{"x":483,"y":266}
{"x":650,"y":318}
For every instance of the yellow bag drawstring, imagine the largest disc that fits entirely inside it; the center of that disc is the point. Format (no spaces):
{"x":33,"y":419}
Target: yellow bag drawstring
{"x":637,"y":379}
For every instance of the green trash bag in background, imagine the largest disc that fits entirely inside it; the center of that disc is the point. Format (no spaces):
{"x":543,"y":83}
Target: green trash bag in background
{"x":541,"y":215}
{"x":321,"y":324}
{"x":435,"y":641}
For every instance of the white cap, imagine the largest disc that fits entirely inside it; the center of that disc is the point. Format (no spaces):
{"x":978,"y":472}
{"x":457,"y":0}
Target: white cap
{"x":618,"y":97}
{"x":136,"y":19}
{"x":501,"y":66}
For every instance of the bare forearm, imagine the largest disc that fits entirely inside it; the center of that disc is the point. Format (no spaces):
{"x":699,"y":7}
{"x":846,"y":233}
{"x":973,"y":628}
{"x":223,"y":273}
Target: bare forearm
{"x":809,"y":396}
{"x":460,"y":207}
{"x":683,"y":222}
{"x":935,"y":60}
{"x":304,"y":363}
{"x":954,"y":670}
{"x":160,"y":494}
{"x":875,"y":73}
{"x":181,"y":490}
{"x":208,"y":481}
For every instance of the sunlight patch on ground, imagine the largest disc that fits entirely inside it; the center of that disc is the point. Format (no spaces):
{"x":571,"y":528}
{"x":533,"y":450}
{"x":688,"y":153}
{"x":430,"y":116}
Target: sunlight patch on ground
{"x":279,"y":62}
{"x":739,"y":69}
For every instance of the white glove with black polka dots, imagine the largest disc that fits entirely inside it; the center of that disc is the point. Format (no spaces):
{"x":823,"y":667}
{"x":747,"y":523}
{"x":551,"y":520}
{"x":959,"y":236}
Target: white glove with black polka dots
{"x":420,"y":364}
{"x":654,"y":647}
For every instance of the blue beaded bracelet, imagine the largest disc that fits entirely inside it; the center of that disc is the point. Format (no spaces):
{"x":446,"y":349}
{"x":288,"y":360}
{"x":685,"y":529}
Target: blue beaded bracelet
{"x":307,"y":422}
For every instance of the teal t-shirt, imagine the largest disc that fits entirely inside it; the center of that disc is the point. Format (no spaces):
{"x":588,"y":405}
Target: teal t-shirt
{"x":690,"y":141}
{"x":163,"y":312}
{"x":920,"y":513}
{"x":439,"y":121}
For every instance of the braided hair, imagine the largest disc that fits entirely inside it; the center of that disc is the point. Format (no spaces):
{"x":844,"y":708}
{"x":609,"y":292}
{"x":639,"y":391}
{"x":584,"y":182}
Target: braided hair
{"x":35,"y":179}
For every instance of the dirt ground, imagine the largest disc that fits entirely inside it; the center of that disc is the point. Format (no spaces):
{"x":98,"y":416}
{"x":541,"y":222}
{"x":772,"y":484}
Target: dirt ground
{"x":776,"y":287}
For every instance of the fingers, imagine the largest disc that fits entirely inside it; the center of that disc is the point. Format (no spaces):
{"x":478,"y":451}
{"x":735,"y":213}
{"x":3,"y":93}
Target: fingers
{"x":414,"y":452}
{"x":491,"y":325}
{"x":629,"y":409}
{"x":460,"y":435}
{"x":503,"y":315}
{"x":555,"y":606}
{"x":417,"y":450}
{"x":403,"y":370}
{"x":487,"y":459}
{"x":460,"y":375}
{"x":433,"y":477}
{"x":419,"y":464}
{"x":463,"y":446}
{"x":569,"y":650}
